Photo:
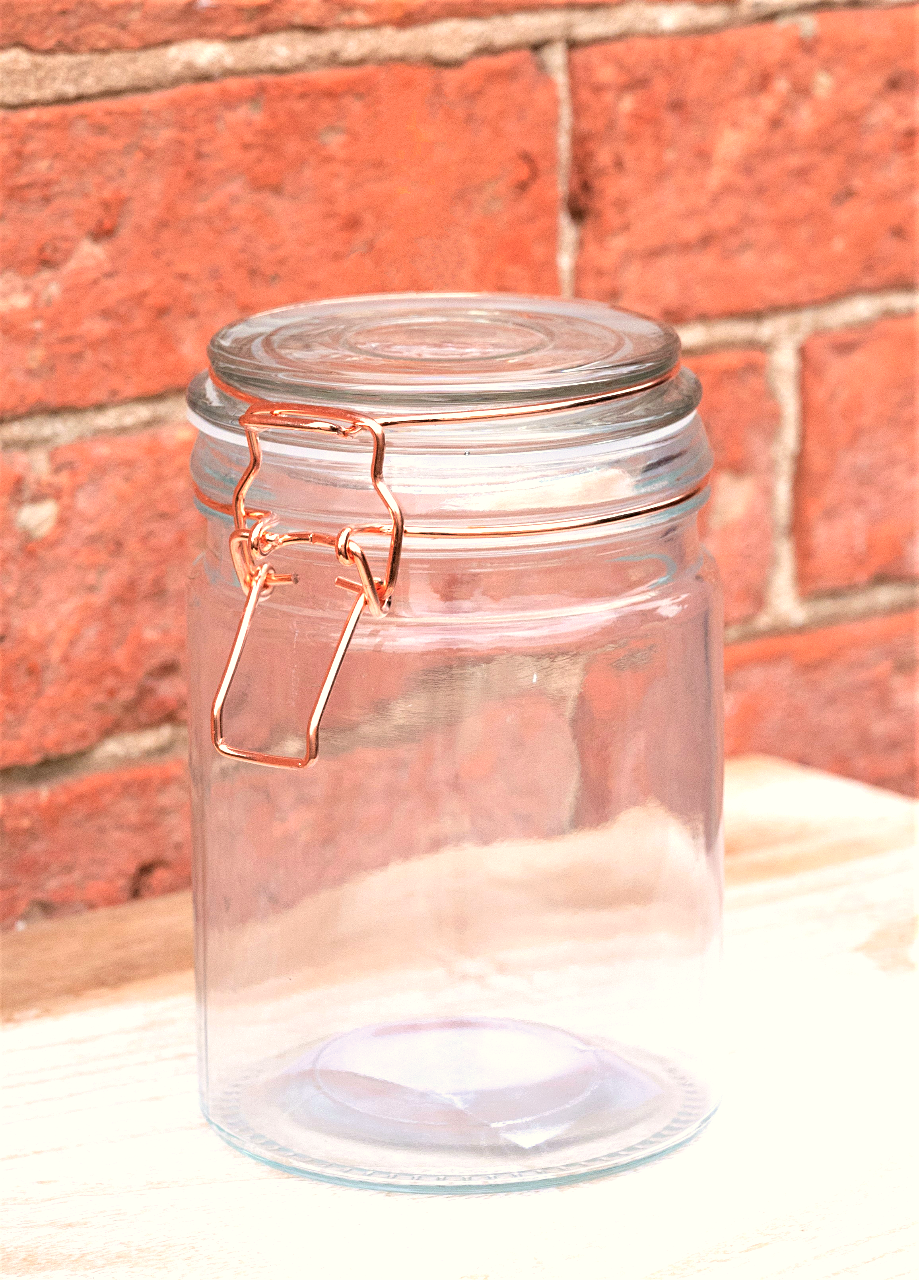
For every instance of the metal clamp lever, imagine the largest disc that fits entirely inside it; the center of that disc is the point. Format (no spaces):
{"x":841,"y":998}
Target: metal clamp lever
{"x":251,"y":543}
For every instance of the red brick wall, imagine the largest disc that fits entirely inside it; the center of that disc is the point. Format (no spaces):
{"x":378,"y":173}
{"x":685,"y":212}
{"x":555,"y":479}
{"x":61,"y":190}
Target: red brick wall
{"x":750,"y":180}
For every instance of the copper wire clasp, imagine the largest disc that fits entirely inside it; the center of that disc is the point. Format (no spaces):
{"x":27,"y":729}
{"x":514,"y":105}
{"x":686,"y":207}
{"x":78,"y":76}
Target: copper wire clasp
{"x":253,"y":540}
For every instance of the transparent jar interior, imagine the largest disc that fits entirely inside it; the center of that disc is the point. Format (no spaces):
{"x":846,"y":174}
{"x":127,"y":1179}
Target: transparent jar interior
{"x":478,"y":935}
{"x":473,"y":946}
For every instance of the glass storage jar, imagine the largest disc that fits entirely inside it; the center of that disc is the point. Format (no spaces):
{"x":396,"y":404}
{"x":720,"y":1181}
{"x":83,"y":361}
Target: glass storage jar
{"x":464,"y":933}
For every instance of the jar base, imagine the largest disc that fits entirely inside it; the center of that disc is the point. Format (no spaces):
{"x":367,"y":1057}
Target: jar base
{"x":462,"y":1104}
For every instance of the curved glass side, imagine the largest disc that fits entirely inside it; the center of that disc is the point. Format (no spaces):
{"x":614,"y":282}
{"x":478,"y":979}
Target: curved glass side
{"x":475,"y":945}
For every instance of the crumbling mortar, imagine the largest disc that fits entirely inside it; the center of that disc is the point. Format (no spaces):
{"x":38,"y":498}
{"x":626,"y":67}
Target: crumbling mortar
{"x":33,"y":79}
{"x":794,"y":323}
{"x":832,"y":609}
{"x":783,"y":371}
{"x":48,"y":430}
{"x":164,"y":742}
{"x":554,"y":58}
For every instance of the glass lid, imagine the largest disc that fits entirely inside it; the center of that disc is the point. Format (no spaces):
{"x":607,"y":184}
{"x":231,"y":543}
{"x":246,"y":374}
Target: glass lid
{"x":420,"y":350}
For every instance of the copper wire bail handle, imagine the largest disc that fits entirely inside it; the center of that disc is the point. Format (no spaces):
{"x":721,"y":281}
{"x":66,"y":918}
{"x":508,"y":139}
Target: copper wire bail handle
{"x":252,"y":541}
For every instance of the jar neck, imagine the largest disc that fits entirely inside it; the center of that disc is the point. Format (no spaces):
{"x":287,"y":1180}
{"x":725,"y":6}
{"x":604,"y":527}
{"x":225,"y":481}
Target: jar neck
{"x":583,"y":471}
{"x":584,"y":571}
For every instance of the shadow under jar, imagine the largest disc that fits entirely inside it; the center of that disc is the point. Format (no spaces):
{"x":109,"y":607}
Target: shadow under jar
{"x":458,"y":804}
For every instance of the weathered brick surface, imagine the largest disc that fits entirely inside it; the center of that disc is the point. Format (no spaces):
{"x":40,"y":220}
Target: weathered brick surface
{"x":98,"y":536}
{"x":856,"y":492}
{"x":137,"y":226}
{"x":95,"y":841}
{"x":841,"y":698}
{"x":741,"y":415}
{"x":765,"y":166}
{"x":84,"y":25}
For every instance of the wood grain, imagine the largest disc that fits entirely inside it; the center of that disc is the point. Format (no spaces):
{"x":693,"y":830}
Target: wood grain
{"x":101,"y":949}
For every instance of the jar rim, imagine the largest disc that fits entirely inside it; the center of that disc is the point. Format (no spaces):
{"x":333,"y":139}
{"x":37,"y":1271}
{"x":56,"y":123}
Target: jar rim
{"x":434,"y":353}
{"x":626,"y":439}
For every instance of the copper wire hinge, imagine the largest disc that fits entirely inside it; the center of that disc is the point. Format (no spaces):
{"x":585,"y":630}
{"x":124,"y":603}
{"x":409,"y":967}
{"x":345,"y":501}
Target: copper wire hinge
{"x":253,"y":540}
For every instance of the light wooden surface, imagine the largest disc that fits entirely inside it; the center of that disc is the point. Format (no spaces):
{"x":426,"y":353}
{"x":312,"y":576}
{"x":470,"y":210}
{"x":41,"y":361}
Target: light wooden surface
{"x":807,"y":1170}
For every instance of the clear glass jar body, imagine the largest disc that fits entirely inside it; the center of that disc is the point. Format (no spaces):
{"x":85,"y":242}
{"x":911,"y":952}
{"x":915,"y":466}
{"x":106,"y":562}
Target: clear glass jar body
{"x":475,"y":944}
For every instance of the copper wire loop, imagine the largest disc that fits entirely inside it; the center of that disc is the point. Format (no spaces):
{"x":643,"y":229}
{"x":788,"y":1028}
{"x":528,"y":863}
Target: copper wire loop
{"x":253,"y":539}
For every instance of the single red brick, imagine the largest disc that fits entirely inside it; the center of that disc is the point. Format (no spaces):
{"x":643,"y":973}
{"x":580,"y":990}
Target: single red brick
{"x":856,"y":491}
{"x":98,"y":541}
{"x":841,"y":698}
{"x":741,"y":416}
{"x":137,"y":226}
{"x":769,"y":165}
{"x":96,"y":840}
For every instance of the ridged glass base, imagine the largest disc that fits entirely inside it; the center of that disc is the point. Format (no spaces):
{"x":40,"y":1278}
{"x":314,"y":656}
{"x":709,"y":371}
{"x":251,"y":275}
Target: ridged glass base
{"x":462,"y":1104}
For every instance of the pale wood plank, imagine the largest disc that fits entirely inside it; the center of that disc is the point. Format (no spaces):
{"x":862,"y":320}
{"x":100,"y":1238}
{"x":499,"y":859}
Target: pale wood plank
{"x":807,"y":1172}
{"x":780,"y":818}
{"x":100,"y":949}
